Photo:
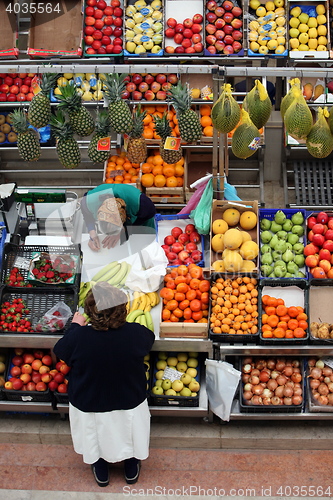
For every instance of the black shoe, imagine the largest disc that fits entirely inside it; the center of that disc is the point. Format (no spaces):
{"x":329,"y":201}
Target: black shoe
{"x":101,"y":472}
{"x":132,"y":470}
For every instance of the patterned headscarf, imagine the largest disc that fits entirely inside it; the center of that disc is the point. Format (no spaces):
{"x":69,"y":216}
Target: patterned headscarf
{"x":112,"y":210}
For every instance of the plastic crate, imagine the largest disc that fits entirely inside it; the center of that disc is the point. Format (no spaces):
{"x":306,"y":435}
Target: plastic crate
{"x":252,"y":408}
{"x":267,"y":213}
{"x":39,"y":301}
{"x":61,"y":397}
{"x":3,"y":236}
{"x":187,"y":220}
{"x":302,"y":285}
{"x":313,"y":405}
{"x":227,"y":337}
{"x":21,"y":255}
{"x":320,"y":292}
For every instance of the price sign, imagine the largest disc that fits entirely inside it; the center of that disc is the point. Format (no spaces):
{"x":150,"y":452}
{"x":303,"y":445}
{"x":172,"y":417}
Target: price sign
{"x":171,"y":374}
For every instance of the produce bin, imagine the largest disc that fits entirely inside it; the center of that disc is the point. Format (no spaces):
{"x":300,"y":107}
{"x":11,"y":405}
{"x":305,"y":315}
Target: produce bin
{"x":9,"y":31}
{"x":319,"y":264}
{"x":144,"y":24}
{"x":180,"y":10}
{"x":294,"y":293}
{"x":313,"y":404}
{"x":320,"y":310}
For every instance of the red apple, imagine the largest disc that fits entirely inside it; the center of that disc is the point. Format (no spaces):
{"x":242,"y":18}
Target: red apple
{"x":46,"y":377}
{"x":328,"y":245}
{"x":149,"y":95}
{"x":211,"y":17}
{"x":161,"y":95}
{"x":171,"y":256}
{"x":25,"y":377}
{"x":318,"y":239}
{"x":325,"y":265}
{"x":15,"y":371}
{"x":189,"y":228}
{"x":161,"y":78}
{"x":9,"y":385}
{"x":219,"y":34}
{"x":89,"y":11}
{"x":97,"y":44}
{"x":180,"y":50}
{"x":8,"y":80}
{"x":17,"y":360}
{"x":11,"y":97}
{"x":44,"y":369}
{"x":219,"y":23}
{"x":117,"y":49}
{"x":36,"y":377}
{"x":330,"y":223}
{"x":210,"y":29}
{"x":53,"y":385}
{"x":17,"y":384}
{"x":187,"y":42}
{"x":211,"y":39}
{"x":99,"y":24}
{"x":176,"y":232}
{"x":197,"y":18}
{"x":188,"y":22}
{"x":183,"y":255}
{"x":88,"y":40}
{"x":219,"y":11}
{"x":318,"y":228}
{"x":14,"y":89}
{"x":329,"y":234}
{"x":59,"y":377}
{"x":236,"y":23}
{"x":108,"y":11}
{"x":28,"y":358}
{"x":170,"y":32}
{"x":237,"y":35}
{"x":117,"y":32}
{"x":236,"y":11}
{"x":118,"y":12}
{"x":311,"y":222}
{"x":178,"y":38}
{"x":195,"y":237}
{"x":211,"y":5}
{"x":166,"y":248}
{"x":118,"y":22}
{"x":183,"y":238}
{"x":41,"y":386}
{"x":108,"y":21}
{"x":47,"y":360}
{"x":177,"y":247}
{"x":171,"y":22}
{"x":149,"y":79}
{"x":167,"y":85}
{"x":198,"y":47}
{"x":90,"y":50}
{"x":322,"y":217}
{"x":227,"y":5}
{"x":26,"y":368}
{"x":310,"y":249}
{"x":237,"y":46}
{"x":31,"y":386}
{"x":228,"y":29}
{"x":196,"y":255}
{"x":179,"y":28}
{"x":187,"y":33}
{"x":196,"y":28}
{"x":106,"y":40}
{"x":143,"y":87}
{"x":310,"y":235}
{"x":155,"y":87}
{"x":136,"y":95}
{"x":64,"y":368}
{"x":107,"y":31}
{"x":191,"y":247}
{"x":188,"y":261}
{"x":62,"y":388}
{"x":172,"y":78}
{"x":219,"y":45}
{"x":18,"y":351}
{"x":312,"y":260}
{"x":196,"y":38}
{"x":130,"y":87}
{"x":190,"y":50}
{"x":4,"y":88}
{"x":169,"y":49}
{"x":324,"y":254}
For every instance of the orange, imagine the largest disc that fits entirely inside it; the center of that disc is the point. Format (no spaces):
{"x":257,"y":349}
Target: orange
{"x":182,"y":270}
{"x":109,"y":180}
{"x":147,"y":180}
{"x":166,"y":314}
{"x":134,"y":178}
{"x":148,"y":133}
{"x":293,"y":311}
{"x":168,"y":171}
{"x":273,"y":320}
{"x":195,"y":283}
{"x":197,"y":315}
{"x":205,"y":110}
{"x":205,"y":121}
{"x":157,"y":170}
{"x":204,"y":286}
{"x":279,"y":333}
{"x":292,"y":324}
{"x":179,"y":170}
{"x":281,"y":310}
{"x":171,"y":305}
{"x":120,"y":161}
{"x":272,"y":301}
{"x":118,"y":179}
{"x":208,"y":131}
{"x":127,"y":166}
{"x":146,"y":168}
{"x":195,"y":305}
{"x":159,"y":180}
{"x":175,"y":119}
{"x":158,"y":160}
{"x":150,"y":109}
{"x":187,"y":313}
{"x":195,"y":271}
{"x":170,"y":115}
{"x":299,"y":333}
{"x":180,"y":279}
{"x":303,"y":324}
{"x":184,"y":304}
{"x":161,"y":108}
{"x":181,"y":161}
{"x":167,"y":293}
{"x":179,"y":296}
{"x":191,"y":294}
{"x":147,"y":119}
{"x":180,"y":181}
{"x":171,"y":181}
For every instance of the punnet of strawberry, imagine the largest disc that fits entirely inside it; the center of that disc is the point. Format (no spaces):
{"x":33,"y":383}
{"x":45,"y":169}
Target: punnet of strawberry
{"x":53,"y":269}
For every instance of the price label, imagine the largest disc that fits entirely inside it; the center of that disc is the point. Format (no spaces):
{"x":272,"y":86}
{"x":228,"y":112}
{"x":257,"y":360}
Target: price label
{"x":172,"y":143}
{"x":26,"y":398}
{"x":104,"y":144}
{"x":171,"y":374}
{"x":22,"y":263}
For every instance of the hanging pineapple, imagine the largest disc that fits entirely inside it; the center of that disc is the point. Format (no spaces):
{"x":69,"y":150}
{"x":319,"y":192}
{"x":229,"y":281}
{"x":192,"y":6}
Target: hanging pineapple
{"x":119,"y":111}
{"x":226,"y":112}
{"x":245,"y":138}
{"x":102,"y":129}
{"x":80,"y":119}
{"x":27,"y":141}
{"x":298,"y":118}
{"x":137,"y":147}
{"x":164,"y":130}
{"x":39,"y":111}
{"x":289,"y":97}
{"x":258,"y":104}
{"x":188,"y":120}
{"x":67,"y":148}
{"x":319,"y":141}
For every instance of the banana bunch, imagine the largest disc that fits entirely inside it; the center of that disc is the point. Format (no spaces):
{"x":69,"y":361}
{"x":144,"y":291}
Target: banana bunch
{"x":144,"y":301}
{"x":114,"y":273}
{"x":85,"y":288}
{"x":142,"y":317}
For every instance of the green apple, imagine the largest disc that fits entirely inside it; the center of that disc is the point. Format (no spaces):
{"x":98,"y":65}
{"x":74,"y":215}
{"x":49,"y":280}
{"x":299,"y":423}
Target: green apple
{"x":161,"y":364}
{"x":172,"y":361}
{"x":192,"y":372}
{"x":170,"y":392}
{"x":155,"y":49}
{"x":148,"y":45}
{"x":192,"y":362}
{"x":185,"y":392}
{"x":157,"y":390}
{"x":162,"y":355}
{"x":166,"y":384}
{"x":194,"y":386}
{"x":159,"y":374}
{"x":159,"y":383}
{"x":182,"y":356}
{"x":181,"y":366}
{"x":177,"y":385}
{"x":186,"y":378}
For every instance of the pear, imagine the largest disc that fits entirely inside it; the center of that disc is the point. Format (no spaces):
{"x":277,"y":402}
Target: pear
{"x":267,"y":259}
{"x":274,"y":241}
{"x":265,"y":224}
{"x":297,"y":218}
{"x":280,"y":271}
{"x":299,"y":230}
{"x":275,"y":227}
{"x":266,"y":236}
{"x":280,"y":217}
{"x":299,"y":260}
{"x":282,"y":235}
{"x":292,"y":238}
{"x":276,"y":255}
{"x":280,"y":246}
{"x":298,"y":248}
{"x":287,"y":225}
{"x":288,"y":256}
{"x":266,"y":270}
{"x":265,"y":249}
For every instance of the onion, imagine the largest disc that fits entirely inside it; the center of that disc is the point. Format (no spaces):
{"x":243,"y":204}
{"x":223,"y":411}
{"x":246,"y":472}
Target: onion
{"x":247,"y":395}
{"x":276,"y":400}
{"x":297,"y":400}
{"x":295,"y":363}
{"x":279,"y":391}
{"x":296,"y":377}
{"x":287,"y":371}
{"x":247,"y":368}
{"x":267,"y":393}
{"x":289,"y":363}
{"x":290,"y":383}
{"x":331,"y":377}
{"x":330,"y":398}
{"x":247,"y":361}
{"x":327,"y":380}
{"x":316,"y":395}
{"x":264,"y":376}
{"x":257,"y":389}
{"x":280,"y":365}
{"x":320,"y":364}
{"x":248,"y":387}
{"x":288,"y":391}
{"x":323,"y":400}
{"x":298,"y":391}
{"x":311,"y":362}
{"x":271,"y":364}
{"x":275,"y":374}
{"x":297,"y":370}
{"x":287,"y":401}
{"x":272,"y":384}
{"x":260,"y":364}
{"x":327,"y":371}
{"x":281,"y":379}
{"x":330,"y":386}
{"x":245,"y":377}
{"x":323,"y":389}
{"x":314,"y":383}
{"x":256,"y":400}
{"x":266,"y":401}
{"x":254,"y":380}
{"x":316,"y":373}
{"x":297,"y":384}
{"x":255,"y":372}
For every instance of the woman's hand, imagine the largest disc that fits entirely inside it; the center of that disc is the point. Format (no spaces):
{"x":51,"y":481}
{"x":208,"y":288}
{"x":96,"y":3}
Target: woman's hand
{"x":110,"y":241}
{"x":79,"y":318}
{"x":94,"y":243}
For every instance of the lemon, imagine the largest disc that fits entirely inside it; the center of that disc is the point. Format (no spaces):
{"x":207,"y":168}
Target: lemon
{"x":272,"y":35}
{"x":313,"y":33}
{"x":253,"y":36}
{"x":320,"y":9}
{"x":322,"y":30}
{"x":280,"y":49}
{"x":294,"y":22}
{"x":312,"y":22}
{"x":281,"y":40}
{"x":270,"y":5}
{"x":303,"y":38}
{"x":254,"y":25}
{"x":254,"y":4}
{"x":254,"y":46}
{"x":321,"y":19}
{"x":281,"y":21}
{"x":321,"y":48}
{"x":303,"y":47}
{"x":322,"y":40}
{"x":313,"y":43}
{"x":272,"y":44}
{"x":296,"y":11}
{"x":263,"y":50}
{"x":261,"y":11}
{"x":293,"y":33}
{"x":294,"y":43}
{"x":262,"y":40}
{"x":303,"y":28}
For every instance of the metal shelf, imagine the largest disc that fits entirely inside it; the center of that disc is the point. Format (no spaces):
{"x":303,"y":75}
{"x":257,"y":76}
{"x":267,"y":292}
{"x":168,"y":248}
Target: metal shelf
{"x":270,"y":350}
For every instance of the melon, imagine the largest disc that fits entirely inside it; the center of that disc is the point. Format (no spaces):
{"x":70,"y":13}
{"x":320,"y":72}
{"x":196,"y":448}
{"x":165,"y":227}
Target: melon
{"x":217,"y":242}
{"x":218,"y":266}
{"x":232,"y":239}
{"x":226,"y":111}
{"x":298,"y":118}
{"x":258,"y":104}
{"x":319,"y":142}
{"x":220,"y":226}
{"x":247,"y":266}
{"x":231,"y":216}
{"x":233,"y":262}
{"x":248,"y":220}
{"x":246,"y":236}
{"x":289,"y":97}
{"x":249,"y":250}
{"x":245,"y":139}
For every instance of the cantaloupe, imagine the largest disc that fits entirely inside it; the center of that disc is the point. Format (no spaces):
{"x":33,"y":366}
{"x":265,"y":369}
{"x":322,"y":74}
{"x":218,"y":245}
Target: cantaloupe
{"x":233,"y":262}
{"x":319,"y":141}
{"x":258,"y":104}
{"x":226,"y":111}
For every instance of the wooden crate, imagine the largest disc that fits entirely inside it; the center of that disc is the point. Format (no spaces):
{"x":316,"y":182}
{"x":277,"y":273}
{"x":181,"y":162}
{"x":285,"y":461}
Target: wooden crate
{"x":184,"y":330}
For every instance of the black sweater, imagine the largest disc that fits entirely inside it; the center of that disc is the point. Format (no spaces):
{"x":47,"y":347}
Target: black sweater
{"x":107,"y":369}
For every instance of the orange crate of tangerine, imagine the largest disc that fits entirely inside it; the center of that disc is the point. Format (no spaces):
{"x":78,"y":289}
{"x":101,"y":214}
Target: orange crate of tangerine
{"x":119,"y":170}
{"x":149,"y":132}
{"x":284,"y":308}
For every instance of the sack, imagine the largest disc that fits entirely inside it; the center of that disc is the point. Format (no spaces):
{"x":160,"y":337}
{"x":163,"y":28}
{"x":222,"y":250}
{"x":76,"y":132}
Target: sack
{"x":221,"y":383}
{"x":54,"y":319}
{"x":202,"y":213}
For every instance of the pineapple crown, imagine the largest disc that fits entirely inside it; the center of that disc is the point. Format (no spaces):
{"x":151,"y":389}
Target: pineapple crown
{"x":180,"y":97}
{"x":59,"y":127}
{"x":48,"y":82}
{"x":114,"y":85}
{"x":102,"y":125}
{"x":162,"y":126}
{"x":70,"y":99}
{"x":19,"y":121}
{"x":138,"y":126}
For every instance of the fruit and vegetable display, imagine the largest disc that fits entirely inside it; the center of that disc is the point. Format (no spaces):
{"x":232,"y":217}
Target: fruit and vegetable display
{"x":273,"y":381}
{"x":53,"y":269}
{"x":279,"y":321}
{"x":148,"y":86}
{"x":31,"y":370}
{"x":185,"y":295}
{"x":320,"y":382}
{"x":16,"y":87}
{"x":308,"y":25}
{"x":88,"y":85}
{"x":267,"y":28}
{"x":282,"y":238}
{"x":181,"y":246}
{"x":319,"y":250}
{"x":234,"y":306}
{"x":103,"y":27}
{"x":176,"y":374}
{"x":144,"y":27}
{"x":233,"y":246}
{"x":224,"y":27}
{"x":184,"y":36}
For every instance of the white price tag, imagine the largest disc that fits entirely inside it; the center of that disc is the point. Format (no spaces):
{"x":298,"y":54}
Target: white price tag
{"x":26,"y":398}
{"x":328,"y":361}
{"x":22,"y":263}
{"x":171,"y":374}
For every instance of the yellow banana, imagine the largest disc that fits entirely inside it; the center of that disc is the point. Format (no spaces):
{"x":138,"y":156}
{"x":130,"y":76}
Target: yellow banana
{"x":143,"y":301}
{"x":149,"y":321}
{"x":136,"y":301}
{"x":158,"y":298}
{"x":152,"y":298}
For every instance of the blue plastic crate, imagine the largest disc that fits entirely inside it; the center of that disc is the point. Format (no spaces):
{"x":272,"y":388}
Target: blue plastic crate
{"x":177,"y":217}
{"x":2,"y":242}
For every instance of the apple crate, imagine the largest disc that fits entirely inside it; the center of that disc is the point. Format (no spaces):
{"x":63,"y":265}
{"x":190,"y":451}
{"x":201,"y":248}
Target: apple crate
{"x":164,"y":400}
{"x":57,"y":33}
{"x":320,"y":309}
{"x":327,"y":274}
{"x":294,"y":293}
{"x":314,"y":405}
{"x":218,"y":208}
{"x":247,"y":407}
{"x":164,"y":225}
{"x":270,"y":27}
{"x":309,"y":9}
{"x":224,"y":18}
{"x":179,"y":15}
{"x":9,"y":30}
{"x":4,"y":358}
{"x":144,"y":22}
{"x":269,"y":214}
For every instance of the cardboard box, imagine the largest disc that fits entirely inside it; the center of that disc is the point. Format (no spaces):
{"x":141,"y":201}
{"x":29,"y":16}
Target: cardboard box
{"x":320,"y":305}
{"x":57,"y":35}
{"x":9,"y":32}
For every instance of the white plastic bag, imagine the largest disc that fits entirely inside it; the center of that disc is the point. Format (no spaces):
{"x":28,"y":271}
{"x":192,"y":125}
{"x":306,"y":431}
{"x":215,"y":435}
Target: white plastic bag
{"x":150,"y":278}
{"x":54,"y":319}
{"x":221,"y":383}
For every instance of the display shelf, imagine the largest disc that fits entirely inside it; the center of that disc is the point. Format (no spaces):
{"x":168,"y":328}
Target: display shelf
{"x":269,"y":350}
{"x":306,"y":415}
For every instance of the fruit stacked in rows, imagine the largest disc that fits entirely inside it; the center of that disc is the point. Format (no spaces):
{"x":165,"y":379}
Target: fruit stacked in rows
{"x":149,"y":86}
{"x":234,"y":308}
{"x":319,"y":250}
{"x":157,"y":173}
{"x":149,"y":131}
{"x":143,"y":22}
{"x":16,"y":87}
{"x":15,"y":316}
{"x":119,"y":170}
{"x":279,"y":321}
{"x":268,"y":30}
{"x":185,"y":295}
{"x":308,"y":28}
{"x":281,"y":251}
{"x":186,"y":35}
{"x":32,"y":371}
{"x":7,"y":133}
{"x":181,"y":247}
{"x":232,"y":242}
{"x":88,"y":85}
{"x":103,"y":27}
{"x":186,"y":364}
{"x":224,"y":33}
{"x":205,"y":111}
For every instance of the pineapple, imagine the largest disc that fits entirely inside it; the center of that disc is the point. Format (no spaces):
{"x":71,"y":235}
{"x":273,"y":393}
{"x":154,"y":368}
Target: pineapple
{"x":137,"y":148}
{"x":39,"y":111}
{"x":67,"y":147}
{"x":188,"y":120}
{"x":80,"y":119}
{"x":27,"y":141}
{"x":102,"y":129}
{"x":164,"y":130}
{"x":119,"y":111}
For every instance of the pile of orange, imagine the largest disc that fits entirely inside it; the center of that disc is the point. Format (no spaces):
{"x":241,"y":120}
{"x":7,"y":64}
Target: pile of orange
{"x":206,"y":121}
{"x":119,"y":170}
{"x":234,"y":306}
{"x":280,"y":321}
{"x":157,"y":173}
{"x":185,"y":295}
{"x":158,"y":110}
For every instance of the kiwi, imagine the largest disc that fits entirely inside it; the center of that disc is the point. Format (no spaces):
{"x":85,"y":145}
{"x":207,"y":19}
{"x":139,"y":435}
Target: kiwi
{"x":12,"y":137}
{"x":2,"y":137}
{"x":2,"y":119}
{"x":5,"y":128}
{"x":8,"y":118}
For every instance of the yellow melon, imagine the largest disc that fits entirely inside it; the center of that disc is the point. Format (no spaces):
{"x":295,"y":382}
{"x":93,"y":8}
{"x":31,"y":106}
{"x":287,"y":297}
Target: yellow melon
{"x":218,"y":242}
{"x":233,"y":262}
{"x":248,"y":220}
{"x":218,"y":266}
{"x":231,"y":216}
{"x":233,"y":239}
{"x":220,"y":226}
{"x":246,"y":236}
{"x":248,"y":266}
{"x":249,"y":250}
